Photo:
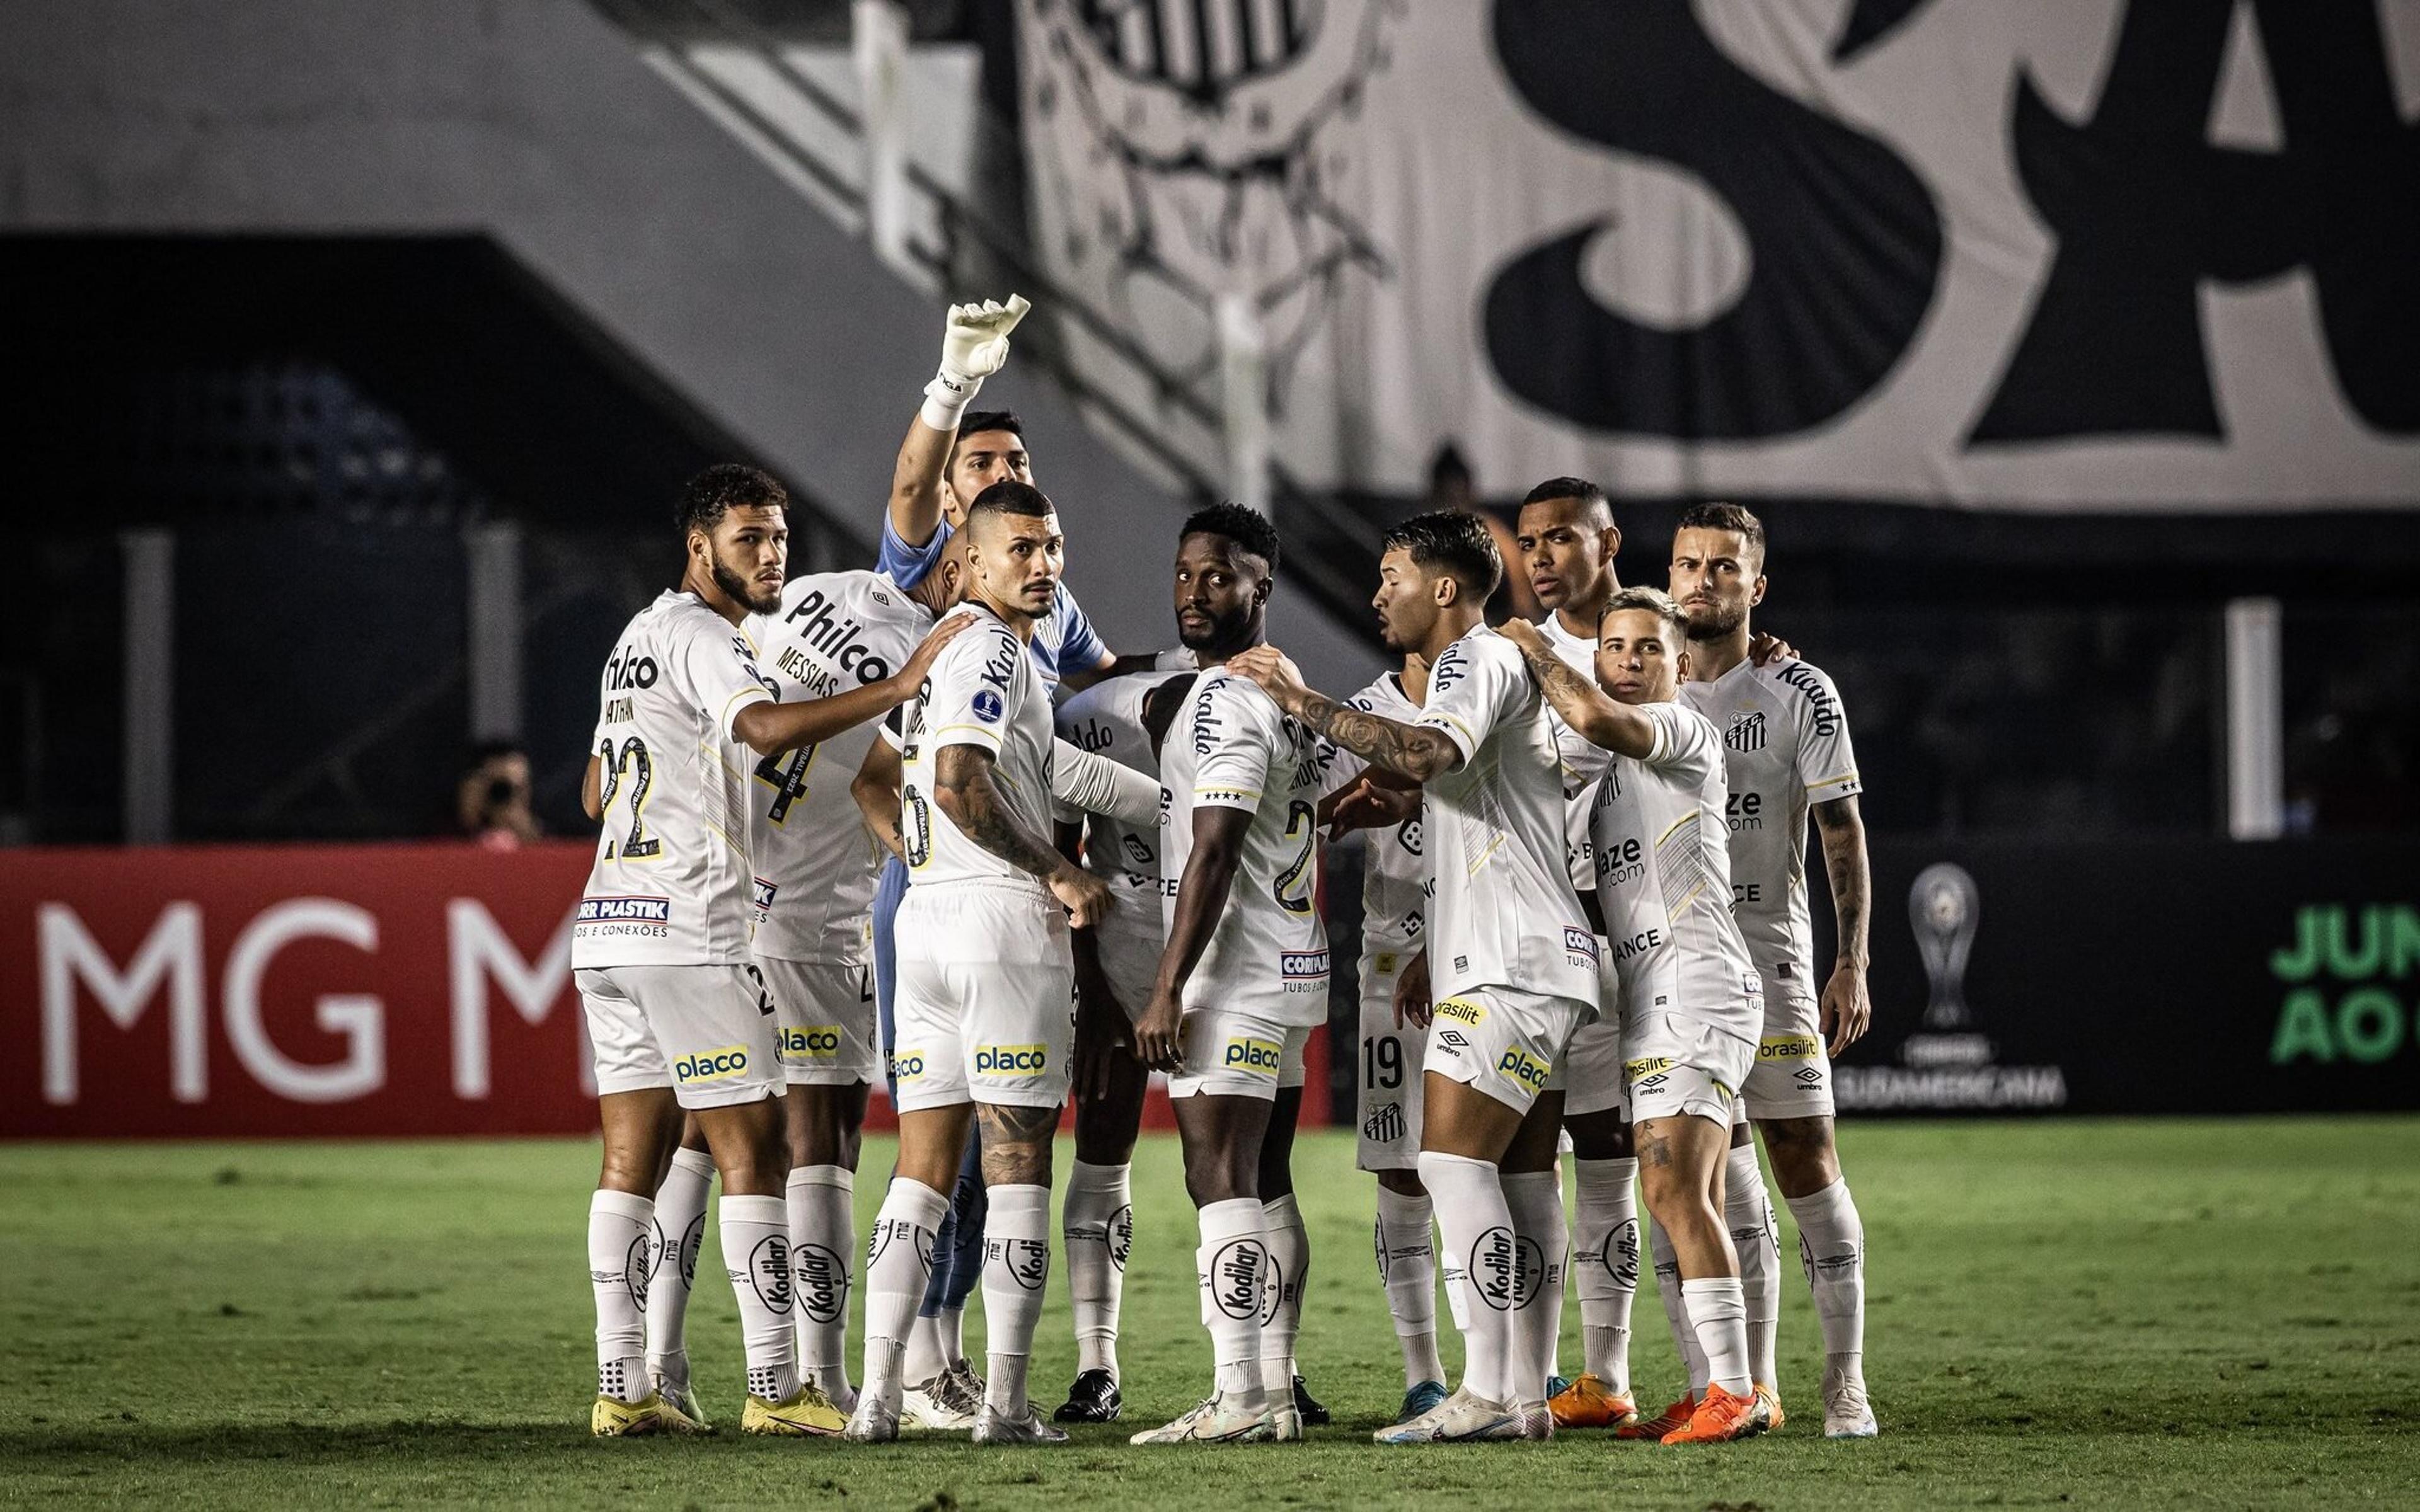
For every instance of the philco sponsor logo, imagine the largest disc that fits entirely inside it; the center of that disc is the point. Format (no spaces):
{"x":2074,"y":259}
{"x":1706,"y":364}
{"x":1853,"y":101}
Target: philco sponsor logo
{"x":839,"y":640}
{"x":631,"y":910}
{"x":816,"y":1041}
{"x":1011,"y":1060}
{"x":712,"y":1065}
{"x":1747,"y":732}
{"x":1463,"y":1011}
{"x":1786,"y":1047}
{"x":1520,"y":1066}
{"x":1259,"y":1057}
{"x":1237,"y":1273}
{"x":627,"y":670}
{"x":1304,"y":969}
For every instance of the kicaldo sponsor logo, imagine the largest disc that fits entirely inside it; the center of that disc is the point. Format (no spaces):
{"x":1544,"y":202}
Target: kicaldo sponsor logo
{"x":711,"y":1065}
{"x":1011,"y":1060}
{"x":1258,"y":1058}
{"x":1518,"y":1065}
{"x":816,"y":1041}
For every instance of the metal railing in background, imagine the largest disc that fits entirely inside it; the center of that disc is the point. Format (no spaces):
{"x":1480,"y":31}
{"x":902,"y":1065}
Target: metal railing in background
{"x":852,"y":160}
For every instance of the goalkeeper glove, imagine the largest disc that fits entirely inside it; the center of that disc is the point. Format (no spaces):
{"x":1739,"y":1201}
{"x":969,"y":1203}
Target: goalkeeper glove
{"x":974,"y":347}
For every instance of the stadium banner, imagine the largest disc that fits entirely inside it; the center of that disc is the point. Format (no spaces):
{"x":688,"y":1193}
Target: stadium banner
{"x":2091,"y":256}
{"x":309,"y":989}
{"x":2184,"y":976}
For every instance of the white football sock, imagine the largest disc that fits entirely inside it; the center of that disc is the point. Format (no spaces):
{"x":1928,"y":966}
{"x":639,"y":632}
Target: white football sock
{"x":756,"y":1255}
{"x":621,"y":1235}
{"x":1535,"y":1200}
{"x":1476,"y":1228}
{"x":1289,"y":1268}
{"x":1719,"y":1314}
{"x":680,"y":1231}
{"x":1606,"y":1258}
{"x":1017,"y":1266}
{"x":925,"y":1357}
{"x":1832,"y":1246}
{"x":1097,"y":1223}
{"x":1407,"y":1264}
{"x":1676,"y":1307}
{"x":1747,"y":1212}
{"x":820,"y":1201}
{"x":898,"y":1267}
{"x":1233,"y":1267}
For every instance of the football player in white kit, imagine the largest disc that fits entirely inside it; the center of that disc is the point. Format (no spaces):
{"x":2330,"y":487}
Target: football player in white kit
{"x":1243,"y":979}
{"x":815,"y":870}
{"x":1691,"y":1001}
{"x":1568,"y":540}
{"x":985,"y":1024}
{"x":1395,"y":889}
{"x":1124,"y":719}
{"x":1511,"y":958}
{"x":1785,"y":745}
{"x":676,"y":1015}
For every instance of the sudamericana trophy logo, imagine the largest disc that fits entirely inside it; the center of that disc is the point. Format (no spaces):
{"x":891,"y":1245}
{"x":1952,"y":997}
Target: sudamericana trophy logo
{"x":1948,"y":1064}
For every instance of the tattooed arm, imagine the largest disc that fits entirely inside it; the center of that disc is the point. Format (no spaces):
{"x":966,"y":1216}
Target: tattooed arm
{"x":1599,"y":719}
{"x":1414,"y":751}
{"x":966,"y":794}
{"x":1847,"y":1008}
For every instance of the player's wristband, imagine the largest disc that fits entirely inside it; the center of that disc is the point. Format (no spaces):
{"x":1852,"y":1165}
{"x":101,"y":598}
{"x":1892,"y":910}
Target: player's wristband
{"x":946,"y":399}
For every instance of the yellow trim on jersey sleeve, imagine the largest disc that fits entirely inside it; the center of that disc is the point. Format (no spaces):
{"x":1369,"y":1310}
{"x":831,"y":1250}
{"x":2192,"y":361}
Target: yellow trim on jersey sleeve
{"x":1833,"y":782}
{"x":989,"y":732}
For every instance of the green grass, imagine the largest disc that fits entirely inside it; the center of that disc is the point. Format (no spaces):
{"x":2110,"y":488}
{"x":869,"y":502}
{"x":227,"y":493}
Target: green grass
{"x":2093,"y":1314}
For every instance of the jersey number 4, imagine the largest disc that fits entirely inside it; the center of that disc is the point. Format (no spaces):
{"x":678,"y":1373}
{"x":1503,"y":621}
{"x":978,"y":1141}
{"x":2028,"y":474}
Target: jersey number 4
{"x":630,"y":761}
{"x":785,"y":772}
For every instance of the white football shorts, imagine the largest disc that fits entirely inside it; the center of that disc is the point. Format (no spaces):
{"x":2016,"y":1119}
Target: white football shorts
{"x":986,"y":1009}
{"x":1793,"y":1078}
{"x":706,"y":1032}
{"x":1389,"y":1073}
{"x":824,"y":1017}
{"x":1504,"y":1041}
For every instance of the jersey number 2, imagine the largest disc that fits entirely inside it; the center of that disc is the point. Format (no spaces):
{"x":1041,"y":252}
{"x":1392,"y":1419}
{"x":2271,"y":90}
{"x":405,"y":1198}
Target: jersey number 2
{"x":1292,"y":886}
{"x":632,"y":763}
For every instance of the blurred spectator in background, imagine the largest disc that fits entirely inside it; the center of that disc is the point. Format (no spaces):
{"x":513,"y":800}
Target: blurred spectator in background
{"x":492,"y":806}
{"x":1451,"y":486}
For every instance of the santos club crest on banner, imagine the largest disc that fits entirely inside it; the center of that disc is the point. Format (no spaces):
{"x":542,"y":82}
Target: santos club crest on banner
{"x":2107,"y":254}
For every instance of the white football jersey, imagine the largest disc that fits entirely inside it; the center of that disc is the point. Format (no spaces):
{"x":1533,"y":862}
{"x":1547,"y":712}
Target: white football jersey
{"x":815,"y":860}
{"x":983,"y":692}
{"x":1395,"y":882}
{"x":1785,"y":748}
{"x":1504,"y":912}
{"x":1584,"y":761}
{"x":1232,"y":746}
{"x":1106,"y":720}
{"x":669,"y":887}
{"x":1663,"y":880}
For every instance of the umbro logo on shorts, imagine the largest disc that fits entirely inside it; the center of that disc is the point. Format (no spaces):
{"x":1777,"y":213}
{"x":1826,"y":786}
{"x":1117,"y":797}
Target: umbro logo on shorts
{"x":1011,"y":1060}
{"x":1261,"y":1057}
{"x":712,"y":1065}
{"x":820,"y":1041}
{"x":1451,"y":1041}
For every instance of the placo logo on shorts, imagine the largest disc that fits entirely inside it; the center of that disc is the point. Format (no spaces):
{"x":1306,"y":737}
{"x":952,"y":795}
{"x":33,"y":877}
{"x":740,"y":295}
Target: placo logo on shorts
{"x":1580,"y":944}
{"x":986,"y":705}
{"x":1258,"y":1058}
{"x":1305,"y":971}
{"x":909,"y":1067}
{"x":1520,"y":1066}
{"x":638,"y":910}
{"x":1011,"y":1060}
{"x":816,"y":1041}
{"x":1463,"y":1011}
{"x":1786,"y":1047}
{"x":712,"y":1065}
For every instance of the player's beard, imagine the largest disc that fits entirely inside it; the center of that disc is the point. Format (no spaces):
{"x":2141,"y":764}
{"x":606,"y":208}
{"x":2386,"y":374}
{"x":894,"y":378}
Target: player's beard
{"x":1230,"y":632}
{"x":739,"y":590}
{"x":1716,"y":620}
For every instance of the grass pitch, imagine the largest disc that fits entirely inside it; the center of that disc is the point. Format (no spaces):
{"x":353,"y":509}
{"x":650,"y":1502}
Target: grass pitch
{"x":2080,"y":1314}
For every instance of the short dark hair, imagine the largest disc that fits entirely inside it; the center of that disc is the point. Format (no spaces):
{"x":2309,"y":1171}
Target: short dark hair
{"x":1655,"y":601}
{"x":982,"y":420}
{"x":1245,"y":527}
{"x":1455,"y":541}
{"x":1720,"y":517}
{"x":1580,"y":488}
{"x":721,"y":488}
{"x":1010,"y":497}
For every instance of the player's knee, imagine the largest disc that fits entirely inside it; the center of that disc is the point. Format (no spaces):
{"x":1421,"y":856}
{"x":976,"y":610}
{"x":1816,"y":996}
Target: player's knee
{"x":1218,"y":1174}
{"x":1805,"y":1158}
{"x":1403,"y":1183}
